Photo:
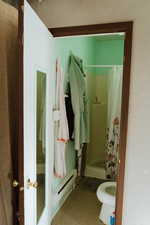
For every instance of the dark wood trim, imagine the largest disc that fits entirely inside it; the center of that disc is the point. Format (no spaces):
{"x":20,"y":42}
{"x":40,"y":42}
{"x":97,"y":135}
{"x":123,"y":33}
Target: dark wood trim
{"x":112,"y":28}
{"x":91,"y":29}
{"x":20,"y":175}
{"x":124,"y":122}
{"x":13,"y":122}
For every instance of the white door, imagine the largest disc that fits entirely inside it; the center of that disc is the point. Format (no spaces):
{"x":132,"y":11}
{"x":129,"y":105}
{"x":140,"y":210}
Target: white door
{"x":39,"y":71}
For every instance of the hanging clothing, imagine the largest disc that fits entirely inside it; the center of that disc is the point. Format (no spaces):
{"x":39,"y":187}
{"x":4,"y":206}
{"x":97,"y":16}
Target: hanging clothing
{"x":113,"y":123}
{"x":61,"y":126}
{"x":76,"y":79}
{"x":70,"y":114}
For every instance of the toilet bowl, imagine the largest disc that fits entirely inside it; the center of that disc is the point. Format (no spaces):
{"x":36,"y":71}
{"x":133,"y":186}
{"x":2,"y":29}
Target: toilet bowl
{"x":106,"y":194}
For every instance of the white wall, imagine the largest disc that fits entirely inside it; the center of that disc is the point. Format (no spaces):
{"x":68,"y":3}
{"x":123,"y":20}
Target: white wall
{"x":70,"y":12}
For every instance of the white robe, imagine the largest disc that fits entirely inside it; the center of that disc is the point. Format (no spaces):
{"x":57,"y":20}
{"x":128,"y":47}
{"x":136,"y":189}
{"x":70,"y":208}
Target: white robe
{"x":61,"y":126}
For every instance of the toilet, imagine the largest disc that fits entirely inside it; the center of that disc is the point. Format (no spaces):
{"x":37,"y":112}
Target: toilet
{"x":106,"y":194}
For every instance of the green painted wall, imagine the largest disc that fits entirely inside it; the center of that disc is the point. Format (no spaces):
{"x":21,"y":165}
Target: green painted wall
{"x":108,"y":52}
{"x":83,"y":47}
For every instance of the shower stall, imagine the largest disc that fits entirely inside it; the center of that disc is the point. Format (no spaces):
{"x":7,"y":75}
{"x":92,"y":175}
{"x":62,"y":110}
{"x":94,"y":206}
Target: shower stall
{"x":104,"y":93}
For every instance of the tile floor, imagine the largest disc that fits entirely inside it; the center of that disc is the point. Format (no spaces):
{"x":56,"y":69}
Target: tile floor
{"x":81,"y":207}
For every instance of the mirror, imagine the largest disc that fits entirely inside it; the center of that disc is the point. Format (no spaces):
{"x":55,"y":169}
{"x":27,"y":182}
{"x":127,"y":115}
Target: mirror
{"x":41,"y":141}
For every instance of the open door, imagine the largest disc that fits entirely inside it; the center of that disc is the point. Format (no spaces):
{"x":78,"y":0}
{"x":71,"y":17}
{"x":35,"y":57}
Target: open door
{"x":35,"y":140}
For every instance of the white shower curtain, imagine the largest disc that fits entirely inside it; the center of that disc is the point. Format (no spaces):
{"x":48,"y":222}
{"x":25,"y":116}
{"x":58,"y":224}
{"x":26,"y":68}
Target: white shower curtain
{"x":113,"y":123}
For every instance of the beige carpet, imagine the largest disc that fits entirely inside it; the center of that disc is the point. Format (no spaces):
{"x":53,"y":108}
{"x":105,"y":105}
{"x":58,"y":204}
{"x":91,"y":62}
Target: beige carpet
{"x":81,"y":208}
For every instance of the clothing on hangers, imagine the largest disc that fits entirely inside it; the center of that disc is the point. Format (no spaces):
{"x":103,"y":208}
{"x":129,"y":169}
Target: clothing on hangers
{"x":70,"y":114}
{"x":76,"y":79}
{"x":61,"y":126}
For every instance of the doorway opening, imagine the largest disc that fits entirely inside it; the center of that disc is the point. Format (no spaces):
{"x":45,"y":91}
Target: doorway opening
{"x":80,"y":191}
{"x":103,"y":57}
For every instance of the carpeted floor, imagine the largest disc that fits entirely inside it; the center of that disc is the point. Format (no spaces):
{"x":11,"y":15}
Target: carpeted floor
{"x":81,"y":208}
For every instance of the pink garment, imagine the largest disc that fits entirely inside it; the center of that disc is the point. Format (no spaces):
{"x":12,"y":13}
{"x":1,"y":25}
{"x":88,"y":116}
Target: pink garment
{"x":61,"y":128}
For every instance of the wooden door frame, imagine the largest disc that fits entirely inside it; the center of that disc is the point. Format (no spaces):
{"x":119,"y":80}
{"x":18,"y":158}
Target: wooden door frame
{"x":18,"y":212}
{"x":127,"y":28}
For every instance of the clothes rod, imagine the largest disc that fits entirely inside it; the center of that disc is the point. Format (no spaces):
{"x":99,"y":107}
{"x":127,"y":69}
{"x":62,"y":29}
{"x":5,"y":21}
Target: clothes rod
{"x":104,"y":66}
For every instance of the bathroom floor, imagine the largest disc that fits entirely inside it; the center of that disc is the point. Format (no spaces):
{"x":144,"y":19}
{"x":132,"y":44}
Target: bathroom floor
{"x":82,"y":206}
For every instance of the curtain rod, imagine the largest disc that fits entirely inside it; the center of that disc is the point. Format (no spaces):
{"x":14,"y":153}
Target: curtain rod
{"x":107,"y":66}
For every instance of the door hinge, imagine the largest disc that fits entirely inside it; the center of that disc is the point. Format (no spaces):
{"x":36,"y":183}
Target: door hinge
{"x":19,"y":216}
{"x":22,"y":7}
{"x":22,"y":39}
{"x":15,"y":184}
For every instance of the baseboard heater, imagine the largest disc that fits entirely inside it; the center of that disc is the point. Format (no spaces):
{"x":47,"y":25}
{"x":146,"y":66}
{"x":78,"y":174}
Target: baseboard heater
{"x":64,"y":190}
{"x":65,"y":184}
